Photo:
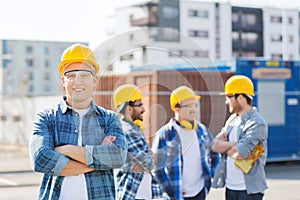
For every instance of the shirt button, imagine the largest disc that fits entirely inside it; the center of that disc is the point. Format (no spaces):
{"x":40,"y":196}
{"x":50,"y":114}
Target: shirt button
{"x":76,"y":131}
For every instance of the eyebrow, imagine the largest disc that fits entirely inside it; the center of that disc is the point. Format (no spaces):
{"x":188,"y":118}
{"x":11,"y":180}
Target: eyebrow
{"x":79,"y":70}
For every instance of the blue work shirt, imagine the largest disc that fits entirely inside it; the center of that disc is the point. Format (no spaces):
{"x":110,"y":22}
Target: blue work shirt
{"x":167,"y":145}
{"x":59,"y":126}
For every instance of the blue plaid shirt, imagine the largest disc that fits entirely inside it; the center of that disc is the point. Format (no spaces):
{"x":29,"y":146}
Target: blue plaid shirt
{"x":129,"y":182}
{"x":168,"y":171}
{"x":59,"y":126}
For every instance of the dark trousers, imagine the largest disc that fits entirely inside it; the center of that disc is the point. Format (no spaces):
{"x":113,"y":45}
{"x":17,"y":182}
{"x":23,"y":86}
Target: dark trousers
{"x":200,"y":196}
{"x":242,"y":195}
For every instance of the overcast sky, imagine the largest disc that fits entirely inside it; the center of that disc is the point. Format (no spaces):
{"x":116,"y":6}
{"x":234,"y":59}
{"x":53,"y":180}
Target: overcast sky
{"x":78,"y":20}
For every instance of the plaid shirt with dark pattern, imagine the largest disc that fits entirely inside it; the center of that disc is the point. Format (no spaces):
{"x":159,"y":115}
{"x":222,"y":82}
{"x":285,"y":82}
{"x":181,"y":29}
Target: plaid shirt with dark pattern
{"x":129,"y":182}
{"x":59,"y":126}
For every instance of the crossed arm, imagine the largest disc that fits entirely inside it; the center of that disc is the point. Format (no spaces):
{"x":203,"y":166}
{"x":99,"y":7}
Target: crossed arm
{"x":77,"y":163}
{"x":221,"y":145}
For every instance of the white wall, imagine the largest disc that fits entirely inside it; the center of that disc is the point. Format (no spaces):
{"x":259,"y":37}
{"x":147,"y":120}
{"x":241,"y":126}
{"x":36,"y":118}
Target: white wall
{"x":225,"y":31}
{"x":285,"y":47}
{"x":197,"y":23}
{"x":19,"y":132}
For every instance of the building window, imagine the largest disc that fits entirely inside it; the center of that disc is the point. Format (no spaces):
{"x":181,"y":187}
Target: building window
{"x":29,"y":49}
{"x":249,"y":38}
{"x":276,"y":56}
{"x":276,"y":38}
{"x":187,"y":53}
{"x":248,"y":19}
{"x":127,"y":57}
{"x":30,"y":76}
{"x":235,"y":36}
{"x":290,"y":20}
{"x":276,"y":19}
{"x":202,"y":54}
{"x":193,"y":13}
{"x":170,"y":12}
{"x":46,"y":50}
{"x":29,"y":62}
{"x":235,"y":17}
{"x":198,"y":33}
{"x":131,"y":37}
{"x":47,"y":76}
{"x":6,"y":63}
{"x":174,"y":53}
{"x":30,"y":88}
{"x":291,"y":38}
{"x":46,"y":63}
{"x":198,"y":13}
{"x":170,"y":34}
{"x":47,"y":88}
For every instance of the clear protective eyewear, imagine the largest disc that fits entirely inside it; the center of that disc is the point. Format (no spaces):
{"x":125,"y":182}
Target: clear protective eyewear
{"x":82,"y":73}
{"x":189,"y":106}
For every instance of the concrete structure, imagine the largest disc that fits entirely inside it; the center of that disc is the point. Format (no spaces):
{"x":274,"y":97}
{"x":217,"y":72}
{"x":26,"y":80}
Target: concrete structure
{"x":200,"y":33}
{"x":281,"y":33}
{"x":30,"y":67}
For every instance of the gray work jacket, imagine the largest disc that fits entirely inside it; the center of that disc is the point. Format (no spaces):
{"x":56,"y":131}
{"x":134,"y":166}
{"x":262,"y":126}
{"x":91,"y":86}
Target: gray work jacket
{"x":253,"y":130}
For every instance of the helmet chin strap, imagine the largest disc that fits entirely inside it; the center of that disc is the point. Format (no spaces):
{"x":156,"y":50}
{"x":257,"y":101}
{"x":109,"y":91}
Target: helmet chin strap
{"x":189,"y":125}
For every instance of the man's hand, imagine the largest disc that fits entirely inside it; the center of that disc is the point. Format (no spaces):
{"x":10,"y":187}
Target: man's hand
{"x":137,"y":168}
{"x":233,"y":153}
{"x":108,"y":140}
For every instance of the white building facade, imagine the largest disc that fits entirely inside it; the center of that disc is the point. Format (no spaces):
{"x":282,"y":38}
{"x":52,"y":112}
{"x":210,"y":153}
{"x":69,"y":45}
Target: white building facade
{"x":281,"y":33}
{"x":200,"y":33}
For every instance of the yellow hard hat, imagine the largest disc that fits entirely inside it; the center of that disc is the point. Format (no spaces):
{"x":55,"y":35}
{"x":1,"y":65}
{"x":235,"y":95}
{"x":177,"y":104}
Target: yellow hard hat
{"x":181,"y":93}
{"x":239,"y":84}
{"x":127,"y":92}
{"x":77,"y":53}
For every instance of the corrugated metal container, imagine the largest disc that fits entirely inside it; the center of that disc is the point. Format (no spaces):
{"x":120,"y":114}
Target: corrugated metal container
{"x":104,"y":90}
{"x":157,"y":86}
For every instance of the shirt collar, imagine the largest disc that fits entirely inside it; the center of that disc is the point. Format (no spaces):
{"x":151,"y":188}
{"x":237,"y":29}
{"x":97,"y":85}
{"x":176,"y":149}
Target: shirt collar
{"x":248,"y":114}
{"x":64,"y":106}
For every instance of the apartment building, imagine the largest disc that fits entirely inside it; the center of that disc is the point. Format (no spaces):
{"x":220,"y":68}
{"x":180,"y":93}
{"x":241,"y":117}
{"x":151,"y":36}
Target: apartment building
{"x":281,"y":33}
{"x":30,"y":67}
{"x":200,"y":33}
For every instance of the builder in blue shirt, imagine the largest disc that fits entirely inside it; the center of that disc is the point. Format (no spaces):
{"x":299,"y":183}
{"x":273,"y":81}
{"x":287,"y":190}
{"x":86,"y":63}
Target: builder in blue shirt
{"x":185,"y":162}
{"x":77,"y":144}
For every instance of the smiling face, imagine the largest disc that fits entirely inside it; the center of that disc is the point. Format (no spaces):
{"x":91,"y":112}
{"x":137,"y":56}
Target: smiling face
{"x":79,"y":84}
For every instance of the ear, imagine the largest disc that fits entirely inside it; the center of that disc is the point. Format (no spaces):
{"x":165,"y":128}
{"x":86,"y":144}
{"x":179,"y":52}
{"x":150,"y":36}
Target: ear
{"x":95,"y":80}
{"x":129,"y":109}
{"x":62,"y":80}
{"x":176,"y":109}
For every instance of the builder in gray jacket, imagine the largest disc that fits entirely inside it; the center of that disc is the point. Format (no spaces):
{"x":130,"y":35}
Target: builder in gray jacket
{"x":244,"y":131}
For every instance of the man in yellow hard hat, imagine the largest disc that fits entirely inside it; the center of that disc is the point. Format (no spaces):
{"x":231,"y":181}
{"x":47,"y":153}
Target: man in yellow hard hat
{"x":185,"y":162}
{"x":77,"y":144}
{"x":241,"y":170}
{"x":134,"y":179}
